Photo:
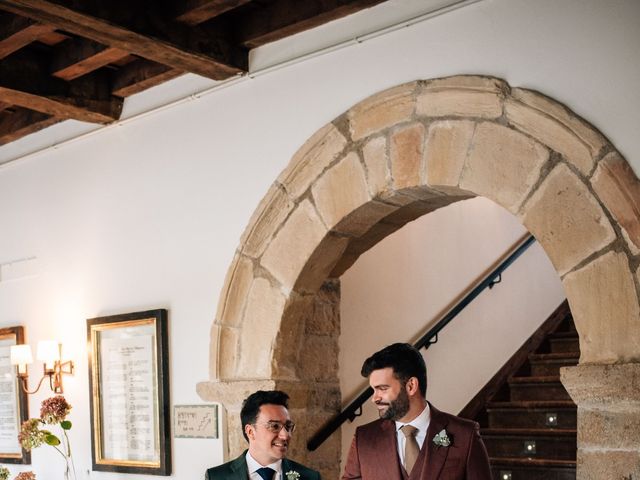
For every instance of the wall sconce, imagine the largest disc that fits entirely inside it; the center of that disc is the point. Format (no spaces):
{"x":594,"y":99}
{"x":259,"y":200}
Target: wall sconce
{"x":49,"y":352}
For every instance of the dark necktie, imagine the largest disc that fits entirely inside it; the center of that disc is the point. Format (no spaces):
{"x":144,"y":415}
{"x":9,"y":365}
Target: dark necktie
{"x":411,"y":448}
{"x":266,"y":473}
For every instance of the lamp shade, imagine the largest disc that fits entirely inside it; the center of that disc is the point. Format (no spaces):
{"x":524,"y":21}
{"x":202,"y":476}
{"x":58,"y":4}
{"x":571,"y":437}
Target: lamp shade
{"x":48,"y":351}
{"x":21,"y":355}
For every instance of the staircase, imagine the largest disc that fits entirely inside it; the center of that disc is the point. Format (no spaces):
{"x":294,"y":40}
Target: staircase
{"x":527,"y":419}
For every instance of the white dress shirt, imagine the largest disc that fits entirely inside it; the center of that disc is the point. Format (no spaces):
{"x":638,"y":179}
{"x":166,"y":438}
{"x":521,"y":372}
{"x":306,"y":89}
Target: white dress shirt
{"x":421,"y":422}
{"x":252,"y":466}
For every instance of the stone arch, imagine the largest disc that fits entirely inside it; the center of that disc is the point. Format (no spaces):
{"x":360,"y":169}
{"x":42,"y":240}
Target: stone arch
{"x":394,"y":157}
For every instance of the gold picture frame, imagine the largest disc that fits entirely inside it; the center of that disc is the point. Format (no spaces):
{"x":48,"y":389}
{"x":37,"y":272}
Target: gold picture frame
{"x":129,"y":385}
{"x":14,"y":403}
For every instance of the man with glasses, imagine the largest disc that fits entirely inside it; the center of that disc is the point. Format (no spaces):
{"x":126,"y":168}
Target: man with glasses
{"x":267,"y":427}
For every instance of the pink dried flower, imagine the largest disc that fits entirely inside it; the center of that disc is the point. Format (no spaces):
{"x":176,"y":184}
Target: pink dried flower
{"x":54,"y":410}
{"x":30,"y":435}
{"x":26,"y":476}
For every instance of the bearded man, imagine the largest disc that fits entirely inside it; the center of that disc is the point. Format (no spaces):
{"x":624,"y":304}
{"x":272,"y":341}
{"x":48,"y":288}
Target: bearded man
{"x":412,"y":440}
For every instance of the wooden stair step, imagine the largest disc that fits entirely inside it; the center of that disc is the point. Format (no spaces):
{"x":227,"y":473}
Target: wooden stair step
{"x":531,"y":443}
{"x":526,"y":417}
{"x":532,"y":469}
{"x":533,"y":404}
{"x":549,"y":364}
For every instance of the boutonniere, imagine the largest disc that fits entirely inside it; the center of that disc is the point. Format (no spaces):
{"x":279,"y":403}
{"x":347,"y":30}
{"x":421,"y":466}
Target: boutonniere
{"x":292,"y":475}
{"x":442,"y":439}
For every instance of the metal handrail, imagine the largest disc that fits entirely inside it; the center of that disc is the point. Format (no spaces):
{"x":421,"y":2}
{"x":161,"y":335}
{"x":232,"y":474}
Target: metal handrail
{"x":429,"y":338}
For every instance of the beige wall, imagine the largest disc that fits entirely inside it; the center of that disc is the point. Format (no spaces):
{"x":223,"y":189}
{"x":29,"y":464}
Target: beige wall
{"x":394,"y":292}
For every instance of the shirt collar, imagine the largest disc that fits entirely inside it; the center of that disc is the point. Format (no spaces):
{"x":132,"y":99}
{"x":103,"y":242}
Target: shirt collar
{"x":421,"y":422}
{"x":253,"y":465}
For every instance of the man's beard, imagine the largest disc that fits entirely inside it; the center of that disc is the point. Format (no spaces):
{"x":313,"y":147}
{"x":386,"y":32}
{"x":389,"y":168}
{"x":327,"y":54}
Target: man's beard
{"x":398,"y":408}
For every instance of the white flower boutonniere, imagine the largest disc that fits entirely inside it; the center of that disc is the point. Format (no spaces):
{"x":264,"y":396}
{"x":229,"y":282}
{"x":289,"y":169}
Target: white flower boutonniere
{"x":442,"y":439}
{"x":292,"y":475}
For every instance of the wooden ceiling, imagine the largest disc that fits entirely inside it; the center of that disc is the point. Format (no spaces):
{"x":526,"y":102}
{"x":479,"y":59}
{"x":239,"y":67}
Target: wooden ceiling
{"x":79,"y":59}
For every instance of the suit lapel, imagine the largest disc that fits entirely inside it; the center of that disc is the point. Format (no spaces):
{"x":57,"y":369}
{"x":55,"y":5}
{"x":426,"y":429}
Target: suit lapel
{"x":239,"y":467}
{"x":387,"y":446}
{"x":436,"y":456}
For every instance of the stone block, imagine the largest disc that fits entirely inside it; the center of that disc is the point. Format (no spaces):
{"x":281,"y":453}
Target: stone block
{"x":566,"y":219}
{"x":289,"y":341}
{"x":446,"y":149}
{"x":619,"y":190}
{"x":609,"y":430}
{"x":585,"y":132}
{"x":459,"y":103}
{"x":382,"y":110}
{"x":549,"y":131}
{"x":234,"y":292}
{"x":476,"y":83}
{"x":321,"y":262}
{"x":613,"y":388}
{"x":325,"y":317}
{"x":288,"y":252}
{"x":604,"y":303}
{"x":262,"y":317}
{"x":375,"y":160}
{"x":265,"y":221}
{"x":319,"y":359}
{"x":341,"y":190}
{"x":363,"y":218}
{"x":406,"y":151}
{"x":311,"y":160}
{"x":228,"y":345}
{"x":608,"y":465}
{"x":503,"y":165}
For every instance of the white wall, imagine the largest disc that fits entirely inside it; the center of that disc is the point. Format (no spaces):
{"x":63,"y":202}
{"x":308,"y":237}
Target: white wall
{"x":148,"y":214}
{"x":401,"y":287}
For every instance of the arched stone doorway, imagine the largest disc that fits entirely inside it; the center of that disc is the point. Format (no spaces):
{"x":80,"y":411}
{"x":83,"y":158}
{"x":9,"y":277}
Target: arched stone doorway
{"x":399,"y":155}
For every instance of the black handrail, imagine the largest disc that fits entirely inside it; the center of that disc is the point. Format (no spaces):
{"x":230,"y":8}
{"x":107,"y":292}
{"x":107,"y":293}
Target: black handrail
{"x":351,"y":411}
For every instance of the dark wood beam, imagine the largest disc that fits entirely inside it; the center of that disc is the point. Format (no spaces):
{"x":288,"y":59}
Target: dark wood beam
{"x":78,"y":56}
{"x":21,"y":122}
{"x":194,"y":12}
{"x":283,"y":18}
{"x":180,"y":47}
{"x":17,"y":32}
{"x":140,"y":75}
{"x":25,"y":82}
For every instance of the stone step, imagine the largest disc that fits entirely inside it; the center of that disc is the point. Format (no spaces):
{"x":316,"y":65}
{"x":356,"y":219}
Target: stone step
{"x":532,"y":469}
{"x":537,"y":388}
{"x":542,"y":443}
{"x":549,"y":364}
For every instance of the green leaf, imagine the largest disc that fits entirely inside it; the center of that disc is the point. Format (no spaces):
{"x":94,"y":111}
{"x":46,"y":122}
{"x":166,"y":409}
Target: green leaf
{"x":52,"y":440}
{"x":66,"y":425}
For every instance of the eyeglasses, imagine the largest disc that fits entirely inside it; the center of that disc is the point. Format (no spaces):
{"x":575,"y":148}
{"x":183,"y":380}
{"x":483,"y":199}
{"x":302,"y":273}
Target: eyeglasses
{"x":276,"y":427}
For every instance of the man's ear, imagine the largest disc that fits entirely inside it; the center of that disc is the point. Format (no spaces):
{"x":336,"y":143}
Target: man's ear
{"x":249,"y":430}
{"x":412,"y":386}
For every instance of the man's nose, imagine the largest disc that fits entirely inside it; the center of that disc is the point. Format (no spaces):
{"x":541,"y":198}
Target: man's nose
{"x":284,"y":433}
{"x":375,"y":397}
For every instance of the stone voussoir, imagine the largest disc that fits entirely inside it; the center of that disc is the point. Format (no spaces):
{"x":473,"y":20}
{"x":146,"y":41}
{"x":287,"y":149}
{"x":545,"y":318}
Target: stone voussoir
{"x":550,"y":131}
{"x":234,"y":293}
{"x":503,"y":165}
{"x":289,"y":250}
{"x":566,"y":219}
{"x":446,"y":149}
{"x":375,"y":160}
{"x":605,"y":308}
{"x":619,"y":190}
{"x":382,"y":110}
{"x":311,"y":160}
{"x":407,"y":156}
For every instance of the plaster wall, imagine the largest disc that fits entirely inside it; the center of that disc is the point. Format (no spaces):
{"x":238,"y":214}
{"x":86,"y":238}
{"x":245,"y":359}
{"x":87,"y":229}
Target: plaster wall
{"x":148,"y":214}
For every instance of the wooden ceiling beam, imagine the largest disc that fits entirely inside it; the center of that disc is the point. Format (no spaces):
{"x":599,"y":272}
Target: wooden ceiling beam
{"x":17,"y":32}
{"x":21,"y":122}
{"x":78,"y":56}
{"x":194,"y":12}
{"x":25,"y":82}
{"x":140,"y":75}
{"x":170,"y":43}
{"x":283,"y":18}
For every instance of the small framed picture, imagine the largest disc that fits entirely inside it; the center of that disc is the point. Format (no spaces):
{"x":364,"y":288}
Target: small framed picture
{"x":14,"y":406}
{"x":129,"y":382}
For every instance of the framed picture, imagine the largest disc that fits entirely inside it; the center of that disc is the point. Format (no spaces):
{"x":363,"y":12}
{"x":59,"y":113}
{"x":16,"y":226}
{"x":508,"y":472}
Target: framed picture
{"x":14,"y":407}
{"x":129,"y":383}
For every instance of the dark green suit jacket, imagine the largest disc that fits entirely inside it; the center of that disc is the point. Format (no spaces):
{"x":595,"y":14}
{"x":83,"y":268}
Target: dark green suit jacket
{"x":237,"y":470}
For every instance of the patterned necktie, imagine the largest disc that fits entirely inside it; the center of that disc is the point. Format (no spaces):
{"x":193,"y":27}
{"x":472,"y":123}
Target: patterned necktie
{"x":266,"y":473}
{"x":411,"y":448}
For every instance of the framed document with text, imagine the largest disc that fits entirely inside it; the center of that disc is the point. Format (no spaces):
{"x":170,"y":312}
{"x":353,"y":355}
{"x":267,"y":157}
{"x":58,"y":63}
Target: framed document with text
{"x":129,"y":383}
{"x":14,"y":408}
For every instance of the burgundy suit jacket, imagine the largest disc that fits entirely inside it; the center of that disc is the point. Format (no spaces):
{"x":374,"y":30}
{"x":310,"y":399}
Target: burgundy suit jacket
{"x":374,"y":452}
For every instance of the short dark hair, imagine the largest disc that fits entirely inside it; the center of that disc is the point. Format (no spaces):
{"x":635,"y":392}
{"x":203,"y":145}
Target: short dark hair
{"x":405,"y":361}
{"x":251,"y":405}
